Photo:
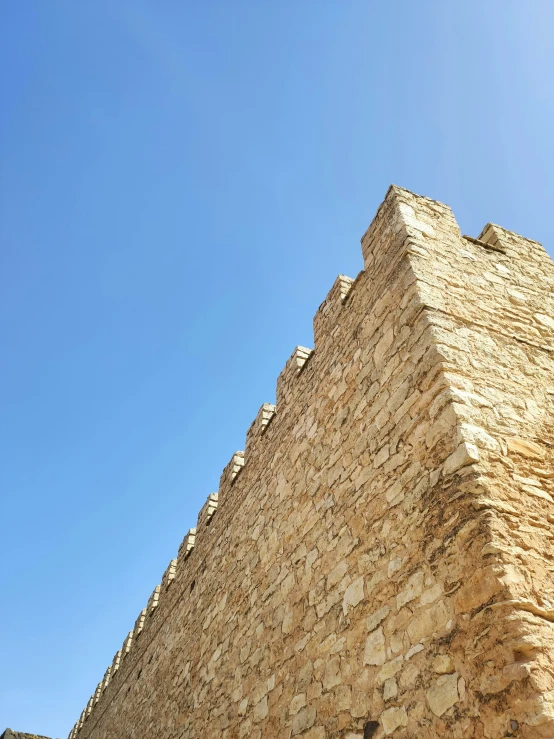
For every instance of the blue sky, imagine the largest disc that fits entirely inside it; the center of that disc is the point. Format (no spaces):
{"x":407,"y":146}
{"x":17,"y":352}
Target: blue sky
{"x":180,"y":184}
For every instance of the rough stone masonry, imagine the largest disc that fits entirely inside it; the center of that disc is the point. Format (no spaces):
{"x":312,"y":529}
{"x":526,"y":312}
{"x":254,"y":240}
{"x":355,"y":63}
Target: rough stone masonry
{"x":379,"y":561}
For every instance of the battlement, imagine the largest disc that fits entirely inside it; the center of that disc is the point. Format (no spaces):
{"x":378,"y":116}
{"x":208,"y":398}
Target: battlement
{"x":374,"y":527}
{"x":9,"y":734}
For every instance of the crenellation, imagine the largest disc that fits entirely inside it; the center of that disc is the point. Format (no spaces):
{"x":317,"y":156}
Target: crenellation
{"x":128,"y":643}
{"x":229,"y":475}
{"x":327,"y":315}
{"x":106,"y":678}
{"x":139,"y":623}
{"x":115,"y":663}
{"x":258,"y":427}
{"x":286,"y":381}
{"x":187,"y":545}
{"x":153,"y":600}
{"x":496,"y":237}
{"x":384,"y":565}
{"x":206,"y":513}
{"x":169,"y":574}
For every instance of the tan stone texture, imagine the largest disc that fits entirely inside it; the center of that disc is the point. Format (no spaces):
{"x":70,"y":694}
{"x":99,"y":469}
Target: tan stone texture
{"x":381,"y":557}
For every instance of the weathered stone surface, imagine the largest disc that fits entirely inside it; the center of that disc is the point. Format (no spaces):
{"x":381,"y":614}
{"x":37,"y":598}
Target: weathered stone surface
{"x":393,"y":718}
{"x":303,"y":720}
{"x":443,"y":664}
{"x":390,"y":689}
{"x":443,"y":694}
{"x":353,"y":594}
{"x":379,"y":560}
{"x":375,"y":619}
{"x":375,"y":652}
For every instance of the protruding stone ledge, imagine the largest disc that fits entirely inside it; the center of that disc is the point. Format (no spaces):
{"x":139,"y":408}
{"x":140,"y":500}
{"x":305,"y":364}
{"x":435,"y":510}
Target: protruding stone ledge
{"x":106,"y":679}
{"x":492,"y":246}
{"x":232,"y":470}
{"x":259,"y":426}
{"x":128,"y":643}
{"x":187,"y":545}
{"x":325,"y":319}
{"x":153,"y":600}
{"x":169,"y":574}
{"x":139,"y":623}
{"x":491,"y":238}
{"x":116,"y":662}
{"x":207,"y":511}
{"x":290,"y":372}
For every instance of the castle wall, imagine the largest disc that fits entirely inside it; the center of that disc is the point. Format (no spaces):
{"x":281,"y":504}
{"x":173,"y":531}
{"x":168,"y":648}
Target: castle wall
{"x":379,"y":560}
{"x":491,"y":304}
{"x":9,"y":734}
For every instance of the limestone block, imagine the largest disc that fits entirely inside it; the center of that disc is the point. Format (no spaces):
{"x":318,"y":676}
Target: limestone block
{"x":303,"y":720}
{"x":375,"y":653}
{"x":390,"y":689}
{"x":443,"y":664}
{"x":316,"y":732}
{"x":480,"y":588}
{"x":413,"y":589}
{"x":393,"y":718}
{"x":465,"y":454}
{"x":353,"y":595}
{"x":332,"y":675}
{"x":443,"y":693}
{"x":409,"y":676}
{"x":389,"y":669}
{"x":432,"y":620}
{"x":260,"y":710}
{"x":525,"y":447}
{"x":337,"y":574}
{"x":298,"y":702}
{"x":376,"y":618}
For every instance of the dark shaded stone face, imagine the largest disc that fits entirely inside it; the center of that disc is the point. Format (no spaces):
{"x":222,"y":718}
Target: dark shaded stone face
{"x":370,"y":728}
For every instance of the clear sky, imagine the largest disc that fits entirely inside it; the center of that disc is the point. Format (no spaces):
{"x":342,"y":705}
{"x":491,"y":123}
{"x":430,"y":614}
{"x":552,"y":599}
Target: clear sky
{"x":180,"y":184}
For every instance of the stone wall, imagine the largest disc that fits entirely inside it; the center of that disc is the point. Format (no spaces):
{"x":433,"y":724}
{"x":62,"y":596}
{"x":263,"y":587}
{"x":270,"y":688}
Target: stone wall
{"x":380,"y":559}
